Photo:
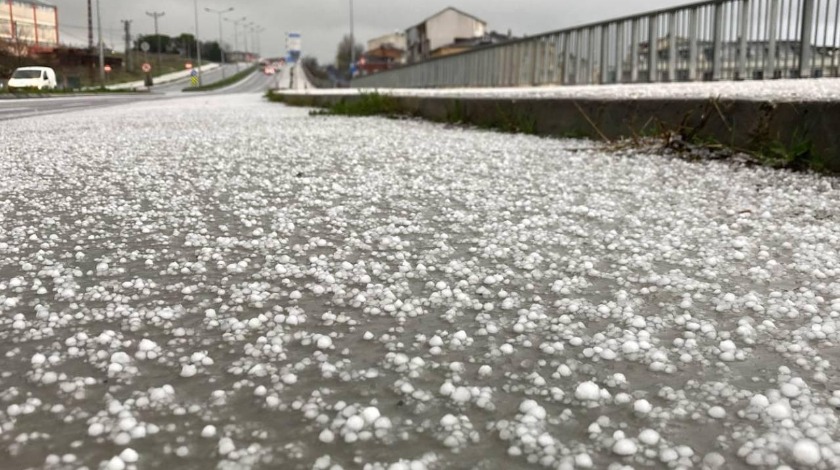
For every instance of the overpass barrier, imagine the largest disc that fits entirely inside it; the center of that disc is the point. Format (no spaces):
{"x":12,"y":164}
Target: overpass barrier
{"x":710,"y":40}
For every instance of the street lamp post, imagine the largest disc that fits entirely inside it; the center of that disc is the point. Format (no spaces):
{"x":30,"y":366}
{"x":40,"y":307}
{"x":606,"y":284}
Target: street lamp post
{"x":197,"y":43}
{"x":156,"y":15}
{"x":221,"y":50}
{"x":259,"y":40}
{"x":245,"y":41}
{"x":255,"y":41}
{"x":352,"y":36}
{"x":101,"y":45}
{"x":236,"y":24}
{"x":248,"y":40}
{"x":352,"y":41}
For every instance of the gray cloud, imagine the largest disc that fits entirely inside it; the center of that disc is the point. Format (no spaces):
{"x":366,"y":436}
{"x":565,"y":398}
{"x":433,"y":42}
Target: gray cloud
{"x":323,"y":22}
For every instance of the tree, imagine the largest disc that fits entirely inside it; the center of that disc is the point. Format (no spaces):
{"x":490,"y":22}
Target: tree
{"x":311,"y":64}
{"x":342,"y":56}
{"x":185,"y":43}
{"x":166,"y":44}
{"x":211,"y":51}
{"x":19,"y":47}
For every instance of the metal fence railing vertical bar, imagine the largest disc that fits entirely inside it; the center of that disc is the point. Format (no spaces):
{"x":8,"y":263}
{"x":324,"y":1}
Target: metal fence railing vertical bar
{"x":707,"y":40}
{"x":693,"y":25}
{"x":823,"y":44}
{"x":807,"y":24}
{"x":835,"y":43}
{"x":634,"y":50}
{"x":743,"y":30}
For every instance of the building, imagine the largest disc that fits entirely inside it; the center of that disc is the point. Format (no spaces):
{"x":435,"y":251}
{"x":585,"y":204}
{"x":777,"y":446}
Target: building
{"x":28,"y":27}
{"x":395,"y":40}
{"x":384,"y":57}
{"x":383,"y":53}
{"x":441,"y":29}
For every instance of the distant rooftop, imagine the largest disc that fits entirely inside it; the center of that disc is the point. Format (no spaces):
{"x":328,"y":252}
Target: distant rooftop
{"x":33,"y":2}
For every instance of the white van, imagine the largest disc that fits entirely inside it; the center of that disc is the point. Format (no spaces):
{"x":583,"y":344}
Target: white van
{"x":39,"y":78}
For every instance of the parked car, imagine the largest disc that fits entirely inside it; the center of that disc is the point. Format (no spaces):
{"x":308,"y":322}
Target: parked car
{"x":38,"y":78}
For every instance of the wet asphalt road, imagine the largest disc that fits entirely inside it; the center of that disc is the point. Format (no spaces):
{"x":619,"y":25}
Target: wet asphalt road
{"x":16,"y":108}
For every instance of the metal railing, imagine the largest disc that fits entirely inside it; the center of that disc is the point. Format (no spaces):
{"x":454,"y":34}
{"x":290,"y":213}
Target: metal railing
{"x":711,"y":40}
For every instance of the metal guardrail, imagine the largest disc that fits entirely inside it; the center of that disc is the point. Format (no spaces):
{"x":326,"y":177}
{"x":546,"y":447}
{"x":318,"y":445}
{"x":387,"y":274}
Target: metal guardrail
{"x":711,"y":40}
{"x":314,"y":80}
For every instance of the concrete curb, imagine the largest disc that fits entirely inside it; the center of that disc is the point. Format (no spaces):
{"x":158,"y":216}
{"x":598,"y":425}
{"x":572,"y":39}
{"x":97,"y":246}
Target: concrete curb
{"x":805,"y":131}
{"x":19,"y":96}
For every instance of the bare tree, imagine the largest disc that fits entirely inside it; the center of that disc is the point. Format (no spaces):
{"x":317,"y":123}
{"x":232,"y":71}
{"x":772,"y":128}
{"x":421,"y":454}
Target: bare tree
{"x":19,"y":47}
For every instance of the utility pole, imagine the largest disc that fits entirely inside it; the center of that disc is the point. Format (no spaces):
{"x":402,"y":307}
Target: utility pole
{"x":129,"y":57}
{"x":90,"y":24}
{"x":156,"y":15}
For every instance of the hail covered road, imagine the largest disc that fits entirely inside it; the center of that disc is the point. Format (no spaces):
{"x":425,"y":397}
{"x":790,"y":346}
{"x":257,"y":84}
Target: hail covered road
{"x":221,"y":282}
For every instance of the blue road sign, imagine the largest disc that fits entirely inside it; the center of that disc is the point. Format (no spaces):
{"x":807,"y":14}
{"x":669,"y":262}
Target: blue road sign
{"x":194,"y":72}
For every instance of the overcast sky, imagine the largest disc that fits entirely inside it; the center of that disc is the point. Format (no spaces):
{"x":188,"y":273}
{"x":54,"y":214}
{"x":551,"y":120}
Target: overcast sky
{"x":323,"y":22}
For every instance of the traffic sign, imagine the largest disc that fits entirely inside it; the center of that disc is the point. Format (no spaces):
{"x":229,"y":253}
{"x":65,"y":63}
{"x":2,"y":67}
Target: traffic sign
{"x":147,"y":67}
{"x":194,"y":72}
{"x":188,"y":66}
{"x":144,"y":46}
{"x":107,"y":69}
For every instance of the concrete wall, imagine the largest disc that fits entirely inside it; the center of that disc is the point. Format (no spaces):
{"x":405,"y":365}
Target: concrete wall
{"x":771,"y":130}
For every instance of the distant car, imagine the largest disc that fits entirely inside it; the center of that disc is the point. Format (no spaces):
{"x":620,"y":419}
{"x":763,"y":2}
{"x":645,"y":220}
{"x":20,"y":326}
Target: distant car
{"x":38,"y":78}
{"x":269,"y":70}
